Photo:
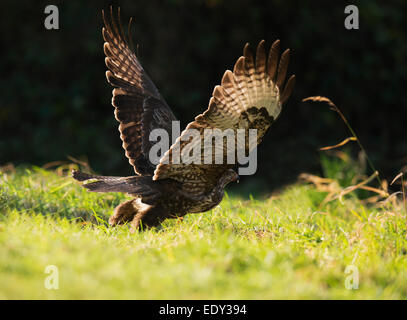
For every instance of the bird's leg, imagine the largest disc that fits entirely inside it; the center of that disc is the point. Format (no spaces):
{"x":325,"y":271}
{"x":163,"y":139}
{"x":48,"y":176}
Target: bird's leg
{"x":147,"y":218}
{"x":123,"y":213}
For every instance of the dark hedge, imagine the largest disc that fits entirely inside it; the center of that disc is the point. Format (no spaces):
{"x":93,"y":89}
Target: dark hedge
{"x":55,"y":102}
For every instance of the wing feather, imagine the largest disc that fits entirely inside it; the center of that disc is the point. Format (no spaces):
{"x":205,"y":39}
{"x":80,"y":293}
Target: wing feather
{"x":272,"y":61}
{"x":250,"y":97}
{"x":139,"y":107}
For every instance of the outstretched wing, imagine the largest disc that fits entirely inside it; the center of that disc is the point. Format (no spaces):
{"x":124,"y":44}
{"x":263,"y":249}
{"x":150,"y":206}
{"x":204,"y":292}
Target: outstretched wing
{"x":139,"y":106}
{"x":250,"y":97}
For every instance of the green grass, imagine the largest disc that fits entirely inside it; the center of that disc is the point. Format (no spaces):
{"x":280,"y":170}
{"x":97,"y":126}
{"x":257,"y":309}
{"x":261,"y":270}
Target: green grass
{"x":287,"y":246}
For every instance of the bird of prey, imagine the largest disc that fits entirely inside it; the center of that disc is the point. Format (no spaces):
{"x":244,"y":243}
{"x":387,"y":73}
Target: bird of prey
{"x":249,"y":97}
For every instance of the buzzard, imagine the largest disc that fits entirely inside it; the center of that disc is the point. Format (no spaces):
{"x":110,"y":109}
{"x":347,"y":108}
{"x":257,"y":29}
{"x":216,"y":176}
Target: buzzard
{"x":249,"y":97}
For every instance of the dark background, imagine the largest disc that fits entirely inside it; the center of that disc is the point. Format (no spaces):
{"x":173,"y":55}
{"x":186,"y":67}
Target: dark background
{"x":55,"y":101}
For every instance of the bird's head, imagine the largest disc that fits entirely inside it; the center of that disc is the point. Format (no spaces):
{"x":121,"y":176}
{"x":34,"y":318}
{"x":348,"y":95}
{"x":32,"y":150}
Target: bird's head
{"x":229,"y":176}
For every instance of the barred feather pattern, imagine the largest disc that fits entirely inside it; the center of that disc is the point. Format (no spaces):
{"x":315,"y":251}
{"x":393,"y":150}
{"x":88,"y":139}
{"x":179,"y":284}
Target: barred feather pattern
{"x":139,"y":107}
{"x":250,"y":97}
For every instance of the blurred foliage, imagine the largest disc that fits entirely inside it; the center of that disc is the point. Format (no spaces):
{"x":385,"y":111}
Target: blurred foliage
{"x":342,"y":168}
{"x":55,"y":101}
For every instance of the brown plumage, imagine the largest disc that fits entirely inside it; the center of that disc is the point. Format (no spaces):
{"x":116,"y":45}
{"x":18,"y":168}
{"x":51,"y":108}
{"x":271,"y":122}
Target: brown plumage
{"x":250,"y":97}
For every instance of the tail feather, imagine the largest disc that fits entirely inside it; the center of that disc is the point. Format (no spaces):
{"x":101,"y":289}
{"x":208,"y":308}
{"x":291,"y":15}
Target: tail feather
{"x":135,"y":185}
{"x":81,"y":176}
